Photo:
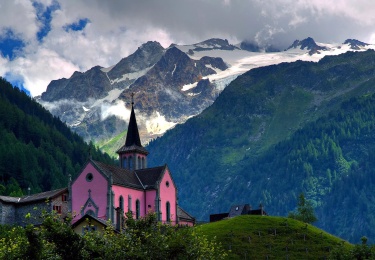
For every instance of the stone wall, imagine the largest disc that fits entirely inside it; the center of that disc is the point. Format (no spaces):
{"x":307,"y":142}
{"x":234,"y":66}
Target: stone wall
{"x":35,"y":209}
{"x":7,"y":213}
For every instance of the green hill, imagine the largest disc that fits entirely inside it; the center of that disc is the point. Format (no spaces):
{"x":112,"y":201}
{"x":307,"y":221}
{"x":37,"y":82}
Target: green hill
{"x":37,"y":150}
{"x":264,"y":237}
{"x":279,"y":131}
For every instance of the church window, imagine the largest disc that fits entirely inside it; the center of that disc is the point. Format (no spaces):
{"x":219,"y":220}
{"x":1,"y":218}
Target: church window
{"x":90,"y":212}
{"x":137,"y":209}
{"x":130,"y":163}
{"x":167,"y":183}
{"x":124,"y":163}
{"x":89,"y":228}
{"x":143,"y":163}
{"x":139,"y":163}
{"x":121,"y":203}
{"x":57,"y":209}
{"x":89,"y":177}
{"x":168,"y":209}
{"x":129,"y":203}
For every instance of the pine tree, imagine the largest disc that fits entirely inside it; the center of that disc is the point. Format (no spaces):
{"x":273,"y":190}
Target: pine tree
{"x":305,"y":211}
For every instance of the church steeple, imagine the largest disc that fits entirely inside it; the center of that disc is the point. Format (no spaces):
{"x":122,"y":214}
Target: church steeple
{"x":132,"y":137}
{"x":133,"y":155}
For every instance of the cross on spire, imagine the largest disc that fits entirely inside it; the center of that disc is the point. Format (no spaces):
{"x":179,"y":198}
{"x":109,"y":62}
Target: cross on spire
{"x":132,"y":94}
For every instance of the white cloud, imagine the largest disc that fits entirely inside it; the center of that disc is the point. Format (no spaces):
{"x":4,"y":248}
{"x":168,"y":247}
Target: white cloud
{"x":20,"y":17}
{"x":117,"y":28}
{"x":118,"y":109}
{"x":37,"y":69}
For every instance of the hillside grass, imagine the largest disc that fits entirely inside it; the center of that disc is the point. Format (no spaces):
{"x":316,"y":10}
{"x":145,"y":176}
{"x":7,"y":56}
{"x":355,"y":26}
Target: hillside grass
{"x":265,"y":237}
{"x":110,"y":146}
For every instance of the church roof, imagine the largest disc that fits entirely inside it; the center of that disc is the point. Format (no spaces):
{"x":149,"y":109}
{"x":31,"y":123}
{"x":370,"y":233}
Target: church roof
{"x":133,"y":141}
{"x":132,"y":137}
{"x":140,"y":179}
{"x":119,"y":175}
{"x":150,"y":176}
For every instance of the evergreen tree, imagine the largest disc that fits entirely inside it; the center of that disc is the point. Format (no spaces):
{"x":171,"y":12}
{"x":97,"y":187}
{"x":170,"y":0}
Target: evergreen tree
{"x":305,"y":211}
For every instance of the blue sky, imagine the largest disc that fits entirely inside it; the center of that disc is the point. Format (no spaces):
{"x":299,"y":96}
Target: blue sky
{"x":44,"y":40}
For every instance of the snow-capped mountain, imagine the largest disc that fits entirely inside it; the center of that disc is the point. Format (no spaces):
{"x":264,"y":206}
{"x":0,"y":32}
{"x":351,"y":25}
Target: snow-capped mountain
{"x":170,"y":85}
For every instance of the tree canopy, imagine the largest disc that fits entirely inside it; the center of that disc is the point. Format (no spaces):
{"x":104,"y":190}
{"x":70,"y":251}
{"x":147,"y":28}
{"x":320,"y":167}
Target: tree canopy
{"x":305,"y":211}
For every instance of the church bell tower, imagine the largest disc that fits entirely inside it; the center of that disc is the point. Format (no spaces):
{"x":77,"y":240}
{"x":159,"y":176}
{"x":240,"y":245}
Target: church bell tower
{"x":132,"y":155}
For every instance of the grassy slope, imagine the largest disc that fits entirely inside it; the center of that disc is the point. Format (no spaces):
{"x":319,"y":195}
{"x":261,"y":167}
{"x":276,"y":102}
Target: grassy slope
{"x":111,"y":146}
{"x":257,"y":237}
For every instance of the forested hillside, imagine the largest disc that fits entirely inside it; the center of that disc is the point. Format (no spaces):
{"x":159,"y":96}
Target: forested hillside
{"x":37,"y":150}
{"x":278,"y":131}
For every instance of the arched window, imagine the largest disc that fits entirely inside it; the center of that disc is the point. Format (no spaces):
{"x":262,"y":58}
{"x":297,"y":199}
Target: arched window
{"x":129,"y":203}
{"x":121,"y":203}
{"x":137,"y":209}
{"x":139,"y":163}
{"x":124,"y":163}
{"x":168,"y":209}
{"x":143,"y":162}
{"x":130,"y":161}
{"x":90,"y":212}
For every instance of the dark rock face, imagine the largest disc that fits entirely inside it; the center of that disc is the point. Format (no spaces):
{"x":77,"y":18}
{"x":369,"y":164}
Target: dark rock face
{"x":81,"y":86}
{"x":95,"y":83}
{"x":214,"y":44}
{"x":156,"y":76}
{"x":145,"y":56}
{"x":355,"y":44}
{"x":308,"y":44}
{"x":161,"y":88}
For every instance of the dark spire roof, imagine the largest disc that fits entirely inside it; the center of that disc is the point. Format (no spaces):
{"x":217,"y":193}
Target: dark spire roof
{"x":133,"y":141}
{"x":132,"y":137}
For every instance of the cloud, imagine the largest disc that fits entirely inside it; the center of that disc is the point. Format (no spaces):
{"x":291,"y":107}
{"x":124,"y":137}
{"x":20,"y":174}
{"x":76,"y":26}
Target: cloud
{"x":118,"y":109}
{"x":61,"y":36}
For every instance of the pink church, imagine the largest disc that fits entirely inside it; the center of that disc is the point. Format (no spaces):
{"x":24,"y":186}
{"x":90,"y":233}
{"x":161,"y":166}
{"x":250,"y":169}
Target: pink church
{"x":106,"y":192}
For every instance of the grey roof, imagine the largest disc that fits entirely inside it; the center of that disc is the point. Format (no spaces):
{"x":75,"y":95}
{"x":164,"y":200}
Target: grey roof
{"x":9,"y":199}
{"x":133,"y":148}
{"x":150,"y":176}
{"x":139,"y":179}
{"x":182,"y":214}
{"x":237,"y":210}
{"x":34,"y":197}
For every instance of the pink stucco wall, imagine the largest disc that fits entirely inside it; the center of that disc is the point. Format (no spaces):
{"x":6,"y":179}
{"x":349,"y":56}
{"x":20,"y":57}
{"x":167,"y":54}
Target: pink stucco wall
{"x":98,"y":186}
{"x":150,"y":200}
{"x":145,"y":198}
{"x":125,"y":193}
{"x":168,"y":193}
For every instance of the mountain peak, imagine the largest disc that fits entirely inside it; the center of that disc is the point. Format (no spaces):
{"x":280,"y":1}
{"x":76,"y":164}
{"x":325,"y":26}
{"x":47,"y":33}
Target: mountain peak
{"x":355,"y":44}
{"x":150,"y":45}
{"x":308,"y":44}
{"x":214,"y":44}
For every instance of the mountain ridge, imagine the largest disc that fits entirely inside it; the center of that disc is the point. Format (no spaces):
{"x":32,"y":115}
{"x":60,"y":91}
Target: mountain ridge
{"x":226,"y":152}
{"x":102,"y":102}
